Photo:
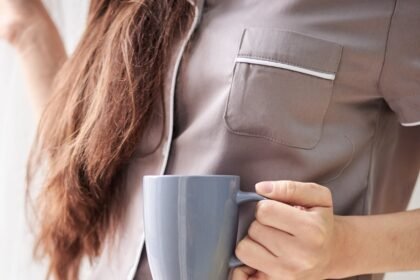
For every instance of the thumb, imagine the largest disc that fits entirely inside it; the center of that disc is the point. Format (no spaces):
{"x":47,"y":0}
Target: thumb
{"x":296,"y":193}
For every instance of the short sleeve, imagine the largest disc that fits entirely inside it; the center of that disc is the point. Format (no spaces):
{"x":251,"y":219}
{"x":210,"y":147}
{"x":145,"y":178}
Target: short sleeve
{"x":400,"y":78}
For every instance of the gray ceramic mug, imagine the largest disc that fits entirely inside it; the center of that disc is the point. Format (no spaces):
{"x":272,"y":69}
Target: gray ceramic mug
{"x":191,"y":225}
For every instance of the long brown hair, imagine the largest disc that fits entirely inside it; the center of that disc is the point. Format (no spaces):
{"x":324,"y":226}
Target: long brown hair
{"x":101,"y":104}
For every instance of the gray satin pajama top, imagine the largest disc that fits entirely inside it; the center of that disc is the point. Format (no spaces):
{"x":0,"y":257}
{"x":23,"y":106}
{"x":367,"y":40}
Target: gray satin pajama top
{"x":321,"y":91}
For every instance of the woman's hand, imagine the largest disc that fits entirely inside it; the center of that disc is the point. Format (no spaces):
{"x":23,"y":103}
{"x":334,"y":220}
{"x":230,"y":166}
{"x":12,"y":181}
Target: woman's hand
{"x":287,"y":241}
{"x":16,"y":16}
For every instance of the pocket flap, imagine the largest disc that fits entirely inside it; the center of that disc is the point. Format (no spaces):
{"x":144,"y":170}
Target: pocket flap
{"x":291,"y":51}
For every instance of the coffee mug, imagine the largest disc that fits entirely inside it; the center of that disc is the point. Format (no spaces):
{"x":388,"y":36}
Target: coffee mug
{"x":191,"y":225}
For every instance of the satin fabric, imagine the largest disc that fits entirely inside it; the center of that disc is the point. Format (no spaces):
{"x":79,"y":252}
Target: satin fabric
{"x":337,"y":105}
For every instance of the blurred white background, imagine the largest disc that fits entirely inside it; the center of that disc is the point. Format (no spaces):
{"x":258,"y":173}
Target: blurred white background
{"x":17,"y":127}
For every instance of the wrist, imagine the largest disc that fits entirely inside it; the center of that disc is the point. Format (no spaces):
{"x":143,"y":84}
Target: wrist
{"x":344,"y":249}
{"x":21,"y":30}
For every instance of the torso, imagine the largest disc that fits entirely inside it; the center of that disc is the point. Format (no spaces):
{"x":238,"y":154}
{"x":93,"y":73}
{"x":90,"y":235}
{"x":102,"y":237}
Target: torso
{"x":312,"y":112}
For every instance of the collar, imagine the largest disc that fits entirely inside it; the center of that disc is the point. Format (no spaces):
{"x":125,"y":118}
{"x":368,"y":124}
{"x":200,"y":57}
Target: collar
{"x":198,"y":5}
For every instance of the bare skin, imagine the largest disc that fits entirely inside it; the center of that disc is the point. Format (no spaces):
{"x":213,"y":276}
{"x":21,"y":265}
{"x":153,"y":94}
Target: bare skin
{"x":284,"y":242}
{"x":26,"y":25}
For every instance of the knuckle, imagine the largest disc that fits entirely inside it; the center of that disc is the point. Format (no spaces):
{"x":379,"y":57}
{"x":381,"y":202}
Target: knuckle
{"x":317,"y":235}
{"x":288,"y":190}
{"x":294,"y":268}
{"x":298,"y":268}
{"x":328,"y":196}
{"x":318,"y":240}
{"x":263,"y":211}
{"x":241,"y":248}
{"x":307,"y":264}
{"x":288,"y":270}
{"x":254,"y":230}
{"x":326,"y":192}
{"x":236,"y":274}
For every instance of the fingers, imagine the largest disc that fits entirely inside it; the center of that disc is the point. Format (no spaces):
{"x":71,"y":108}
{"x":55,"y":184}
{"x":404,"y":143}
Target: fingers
{"x":289,"y":236}
{"x":291,"y":192}
{"x":280,"y":216}
{"x":259,"y":276}
{"x":248,"y":273}
{"x":243,"y":273}
{"x":254,"y":255}
{"x":287,"y":249}
{"x":275,"y":241}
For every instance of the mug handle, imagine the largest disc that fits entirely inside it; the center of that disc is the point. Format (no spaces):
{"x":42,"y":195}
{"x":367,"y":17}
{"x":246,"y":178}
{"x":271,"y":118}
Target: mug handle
{"x":242,"y":197}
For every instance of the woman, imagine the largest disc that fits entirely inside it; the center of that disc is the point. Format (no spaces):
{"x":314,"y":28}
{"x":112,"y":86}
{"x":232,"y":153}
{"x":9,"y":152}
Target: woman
{"x":316,"y":101}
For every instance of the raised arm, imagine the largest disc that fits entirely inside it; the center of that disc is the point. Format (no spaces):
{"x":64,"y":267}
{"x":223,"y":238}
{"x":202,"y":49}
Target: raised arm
{"x":27,"y":26}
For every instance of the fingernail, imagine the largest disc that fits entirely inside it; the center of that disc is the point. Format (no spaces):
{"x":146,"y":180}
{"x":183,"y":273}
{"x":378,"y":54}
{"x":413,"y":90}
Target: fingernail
{"x":264,"y":187}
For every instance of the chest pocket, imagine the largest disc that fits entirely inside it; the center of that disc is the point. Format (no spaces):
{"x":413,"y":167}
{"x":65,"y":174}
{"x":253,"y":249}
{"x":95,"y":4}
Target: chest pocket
{"x":281,"y":87}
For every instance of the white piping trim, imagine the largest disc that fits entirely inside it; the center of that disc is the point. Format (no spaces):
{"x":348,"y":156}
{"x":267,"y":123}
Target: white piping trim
{"x":410,"y":124}
{"x":173,"y":83}
{"x":323,"y":75}
{"x":197,"y":15}
{"x":133,"y":269}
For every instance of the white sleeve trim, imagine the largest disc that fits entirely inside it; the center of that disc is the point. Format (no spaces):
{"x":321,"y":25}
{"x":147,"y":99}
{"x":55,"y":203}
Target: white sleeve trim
{"x":410,"y":124}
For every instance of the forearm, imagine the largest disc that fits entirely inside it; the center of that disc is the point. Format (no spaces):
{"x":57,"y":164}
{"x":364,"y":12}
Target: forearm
{"x":41,"y":54}
{"x":378,"y":243}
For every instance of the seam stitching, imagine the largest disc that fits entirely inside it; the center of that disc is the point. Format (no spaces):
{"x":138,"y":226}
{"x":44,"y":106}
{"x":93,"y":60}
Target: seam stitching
{"x":386,"y":46}
{"x":378,"y":119}
{"x":369,"y":187}
{"x":411,"y":94}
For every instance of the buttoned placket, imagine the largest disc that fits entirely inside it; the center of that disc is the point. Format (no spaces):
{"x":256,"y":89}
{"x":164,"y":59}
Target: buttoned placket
{"x":198,"y":7}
